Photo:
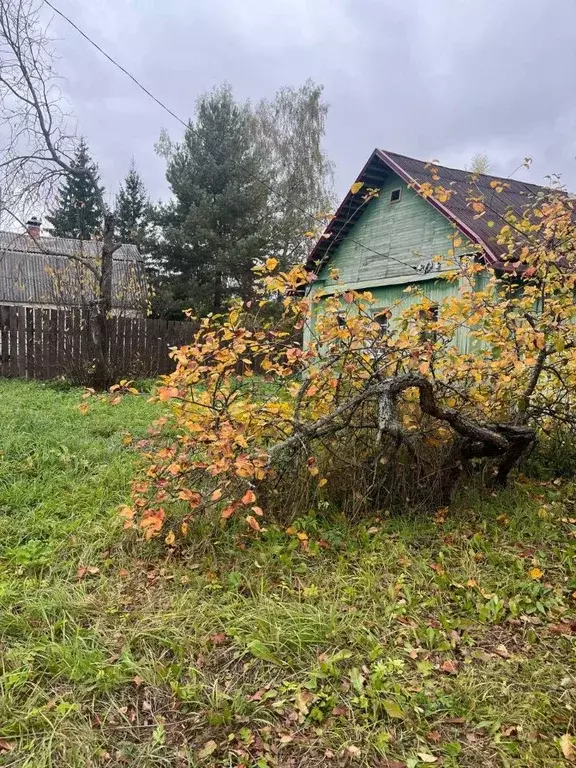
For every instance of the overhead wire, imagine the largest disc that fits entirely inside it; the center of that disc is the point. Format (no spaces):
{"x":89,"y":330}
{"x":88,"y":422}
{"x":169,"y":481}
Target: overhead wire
{"x":238,"y":164}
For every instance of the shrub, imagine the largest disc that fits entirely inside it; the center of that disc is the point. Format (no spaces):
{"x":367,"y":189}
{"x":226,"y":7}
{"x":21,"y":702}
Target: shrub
{"x":357,"y":417}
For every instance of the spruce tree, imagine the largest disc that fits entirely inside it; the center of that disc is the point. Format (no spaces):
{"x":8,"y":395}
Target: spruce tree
{"x":132,"y":209}
{"x":216,"y":228}
{"x":79,"y":212}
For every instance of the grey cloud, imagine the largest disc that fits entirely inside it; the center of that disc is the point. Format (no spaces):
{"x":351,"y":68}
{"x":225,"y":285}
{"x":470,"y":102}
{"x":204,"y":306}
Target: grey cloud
{"x":440,"y":79}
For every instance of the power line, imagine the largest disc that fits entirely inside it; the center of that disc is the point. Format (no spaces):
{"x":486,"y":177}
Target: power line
{"x":167,"y":109}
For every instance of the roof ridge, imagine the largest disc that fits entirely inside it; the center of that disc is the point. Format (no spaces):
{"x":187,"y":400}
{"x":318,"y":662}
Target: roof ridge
{"x":463,"y":170}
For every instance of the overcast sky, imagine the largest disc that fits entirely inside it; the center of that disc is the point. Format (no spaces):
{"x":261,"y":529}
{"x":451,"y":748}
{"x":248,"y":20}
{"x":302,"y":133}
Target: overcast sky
{"x":435,"y":79}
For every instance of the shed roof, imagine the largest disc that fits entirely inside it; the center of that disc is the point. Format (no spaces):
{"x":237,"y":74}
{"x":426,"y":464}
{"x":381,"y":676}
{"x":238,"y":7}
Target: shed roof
{"x":43,"y":271}
{"x":463,"y":185}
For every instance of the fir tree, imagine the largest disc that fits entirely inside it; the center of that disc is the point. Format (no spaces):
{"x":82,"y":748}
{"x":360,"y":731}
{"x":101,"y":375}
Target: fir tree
{"x":216,"y":228}
{"x":132,"y":209}
{"x":79,"y":212}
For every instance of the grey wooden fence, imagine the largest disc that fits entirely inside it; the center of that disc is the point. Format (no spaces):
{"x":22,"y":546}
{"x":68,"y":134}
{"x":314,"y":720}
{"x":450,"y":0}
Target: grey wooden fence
{"x":48,"y":343}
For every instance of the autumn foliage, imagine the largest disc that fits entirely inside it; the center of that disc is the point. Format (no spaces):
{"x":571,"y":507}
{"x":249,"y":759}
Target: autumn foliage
{"x":364,"y":419}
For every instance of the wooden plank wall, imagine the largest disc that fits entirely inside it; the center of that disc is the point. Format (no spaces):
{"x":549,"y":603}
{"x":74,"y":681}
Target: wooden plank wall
{"x":51,"y":343}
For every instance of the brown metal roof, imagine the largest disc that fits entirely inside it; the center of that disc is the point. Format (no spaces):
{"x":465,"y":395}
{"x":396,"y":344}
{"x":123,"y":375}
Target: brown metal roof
{"x":516,"y":196}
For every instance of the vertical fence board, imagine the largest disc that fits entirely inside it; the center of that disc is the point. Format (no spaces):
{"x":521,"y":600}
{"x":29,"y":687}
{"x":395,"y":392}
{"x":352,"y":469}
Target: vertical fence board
{"x":4,"y":342}
{"x":13,"y":340}
{"x":160,"y":332}
{"x":45,"y":343}
{"x":29,"y":343}
{"x":22,"y":347}
{"x":52,"y":371}
{"x":86,"y":356}
{"x":38,"y":359}
{"x":127,"y":345}
{"x":61,"y":341}
{"x":120,"y":343}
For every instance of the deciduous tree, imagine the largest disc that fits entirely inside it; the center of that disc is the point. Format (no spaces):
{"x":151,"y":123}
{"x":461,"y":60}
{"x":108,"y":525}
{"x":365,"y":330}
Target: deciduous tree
{"x":362,"y":404}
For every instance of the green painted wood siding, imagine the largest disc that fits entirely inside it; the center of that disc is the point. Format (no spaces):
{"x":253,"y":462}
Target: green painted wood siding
{"x":395,"y":298}
{"x":410,"y":230}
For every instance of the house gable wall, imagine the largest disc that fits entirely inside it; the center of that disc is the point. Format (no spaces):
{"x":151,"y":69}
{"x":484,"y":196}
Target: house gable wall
{"x":405,"y":234}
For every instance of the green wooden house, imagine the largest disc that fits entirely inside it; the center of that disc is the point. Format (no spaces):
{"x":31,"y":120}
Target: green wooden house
{"x":404,"y":236}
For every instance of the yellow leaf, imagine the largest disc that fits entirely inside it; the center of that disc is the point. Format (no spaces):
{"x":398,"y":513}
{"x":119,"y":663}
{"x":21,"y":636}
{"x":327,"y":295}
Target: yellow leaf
{"x":322,"y":482}
{"x":170,"y":539}
{"x":356,"y":187}
{"x":271,"y":264}
{"x":567,"y":747}
{"x":535,"y":573}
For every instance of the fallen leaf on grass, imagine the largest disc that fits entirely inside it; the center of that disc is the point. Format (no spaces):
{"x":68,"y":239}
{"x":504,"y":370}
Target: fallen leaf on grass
{"x":567,"y":747}
{"x":208,"y":749}
{"x":502,"y":651}
{"x":393,"y":764}
{"x":218,"y":639}
{"x":535,"y":573}
{"x":393,"y":709}
{"x":6,"y":746}
{"x":253,"y":523}
{"x":426,"y":758}
{"x":434,"y":736}
{"x":449,"y":667}
{"x":89,"y":570}
{"x":562,"y":629}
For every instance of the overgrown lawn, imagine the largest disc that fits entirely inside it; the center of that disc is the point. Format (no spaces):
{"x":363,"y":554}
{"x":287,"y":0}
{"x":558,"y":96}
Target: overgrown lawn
{"x":395,"y":642}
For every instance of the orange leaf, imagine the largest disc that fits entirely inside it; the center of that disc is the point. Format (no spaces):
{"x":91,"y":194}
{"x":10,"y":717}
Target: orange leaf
{"x":217,"y":494}
{"x":192,"y":497}
{"x":166,"y":393}
{"x":257,"y":511}
{"x":249,"y":498}
{"x":535,"y":573}
{"x":449,"y":667}
{"x":253,"y":523}
{"x":228,"y":512}
{"x":126,"y":512}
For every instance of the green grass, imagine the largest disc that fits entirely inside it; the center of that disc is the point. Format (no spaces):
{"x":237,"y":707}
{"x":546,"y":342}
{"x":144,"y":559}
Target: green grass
{"x":391,"y":640}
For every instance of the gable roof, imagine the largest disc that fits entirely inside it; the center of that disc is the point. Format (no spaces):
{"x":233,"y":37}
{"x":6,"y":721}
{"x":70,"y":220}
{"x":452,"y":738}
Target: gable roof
{"x":43,"y":271}
{"x":515,"y":196}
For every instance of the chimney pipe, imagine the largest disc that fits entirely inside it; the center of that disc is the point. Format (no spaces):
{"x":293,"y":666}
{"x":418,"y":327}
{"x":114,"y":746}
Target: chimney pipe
{"x":33,"y":226}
